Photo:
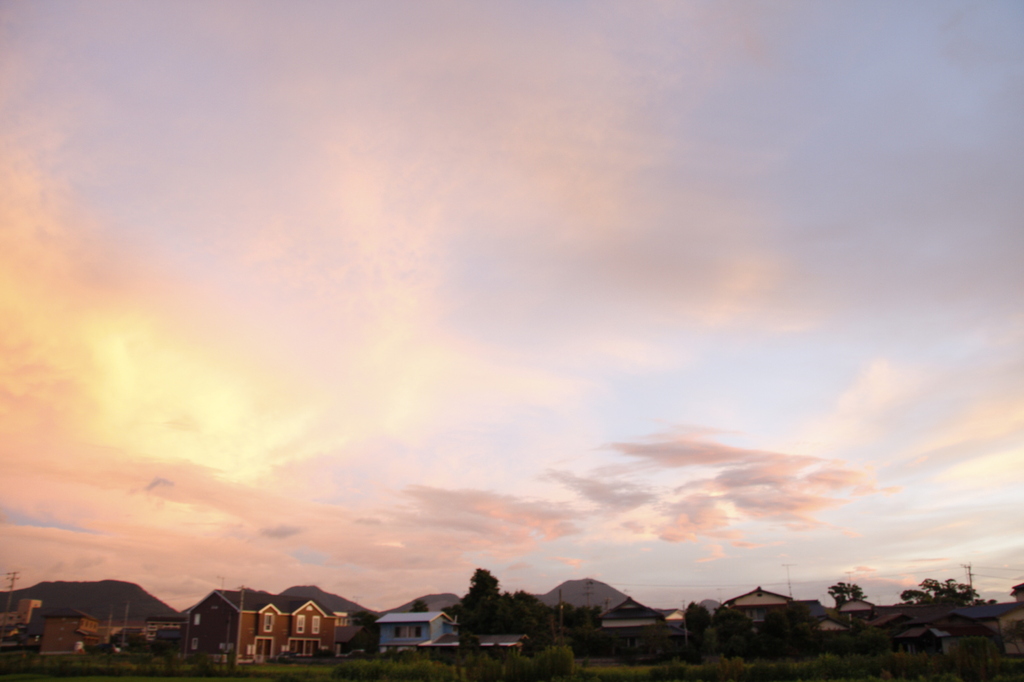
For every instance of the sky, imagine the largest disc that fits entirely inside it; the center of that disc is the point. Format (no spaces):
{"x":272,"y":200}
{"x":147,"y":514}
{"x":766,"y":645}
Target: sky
{"x":687,"y":297}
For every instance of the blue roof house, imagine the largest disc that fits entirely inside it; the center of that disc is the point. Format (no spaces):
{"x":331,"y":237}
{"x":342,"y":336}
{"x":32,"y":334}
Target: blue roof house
{"x":400,"y":631}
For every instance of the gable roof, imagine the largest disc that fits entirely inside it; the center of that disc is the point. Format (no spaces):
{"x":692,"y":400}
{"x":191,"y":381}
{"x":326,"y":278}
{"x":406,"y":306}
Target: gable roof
{"x":414,"y":617}
{"x":632,"y":609}
{"x":816,"y":608}
{"x":257,"y":600}
{"x":918,"y":613}
{"x":759,"y":592}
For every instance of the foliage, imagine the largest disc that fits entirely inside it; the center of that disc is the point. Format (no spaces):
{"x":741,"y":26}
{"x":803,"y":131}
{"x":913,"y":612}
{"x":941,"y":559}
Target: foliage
{"x":485,"y":610}
{"x":419,"y":606}
{"x":934,"y":592}
{"x":698,"y":619}
{"x":844,"y":592}
{"x":976,"y":659}
{"x":734,"y":631}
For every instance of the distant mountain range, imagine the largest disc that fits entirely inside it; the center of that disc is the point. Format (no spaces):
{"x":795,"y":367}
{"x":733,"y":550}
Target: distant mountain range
{"x":102,"y":599}
{"x":331,"y":601}
{"x":107,"y":598}
{"x":434,"y":602}
{"x":585,"y":592}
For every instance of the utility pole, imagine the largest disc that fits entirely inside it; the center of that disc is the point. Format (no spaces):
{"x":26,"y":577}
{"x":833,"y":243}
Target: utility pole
{"x":561,"y":619}
{"x":970,"y":577}
{"x":241,"y":613}
{"x":12,"y":578}
{"x":124,"y":628}
{"x":788,"y":582}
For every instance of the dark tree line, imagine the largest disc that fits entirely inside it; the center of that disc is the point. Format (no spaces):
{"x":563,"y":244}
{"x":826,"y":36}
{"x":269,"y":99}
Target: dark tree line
{"x":486,"y":610}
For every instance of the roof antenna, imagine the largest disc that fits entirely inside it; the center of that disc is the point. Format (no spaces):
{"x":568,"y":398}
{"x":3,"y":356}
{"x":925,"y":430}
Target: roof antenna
{"x":788,"y":582}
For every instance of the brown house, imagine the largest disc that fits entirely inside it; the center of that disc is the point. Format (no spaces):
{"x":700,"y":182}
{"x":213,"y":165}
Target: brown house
{"x":68,"y":631}
{"x":257,"y":625}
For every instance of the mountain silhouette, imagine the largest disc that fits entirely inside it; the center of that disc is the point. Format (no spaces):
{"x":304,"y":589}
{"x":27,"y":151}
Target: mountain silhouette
{"x":434,"y":602}
{"x":101,"y":599}
{"x":585,"y":592}
{"x":331,"y":601}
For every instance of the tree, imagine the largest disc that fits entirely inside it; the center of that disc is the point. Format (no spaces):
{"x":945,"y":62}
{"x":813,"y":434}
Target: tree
{"x":485,"y":610}
{"x":697,"y":620}
{"x":733,"y":631}
{"x":844,"y":592}
{"x":934,"y":592}
{"x":419,"y":606}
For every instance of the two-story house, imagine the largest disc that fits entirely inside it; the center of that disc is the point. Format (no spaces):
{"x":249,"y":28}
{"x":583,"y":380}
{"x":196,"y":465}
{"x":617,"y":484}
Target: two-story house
{"x":257,"y":625}
{"x":757,"y":603}
{"x":400,"y":631}
{"x":629,"y":621}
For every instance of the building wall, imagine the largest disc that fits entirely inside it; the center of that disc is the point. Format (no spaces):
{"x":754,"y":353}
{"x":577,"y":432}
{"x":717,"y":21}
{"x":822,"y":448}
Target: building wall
{"x":612,"y":623}
{"x":217,"y":630}
{"x":68,"y":635}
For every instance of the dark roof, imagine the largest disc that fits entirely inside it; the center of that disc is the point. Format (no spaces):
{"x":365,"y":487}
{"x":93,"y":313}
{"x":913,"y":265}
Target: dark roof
{"x":254,"y":600}
{"x":815,"y":607}
{"x":345,"y":633}
{"x":918,"y":613}
{"x":1015,"y":588}
{"x":887,"y":619}
{"x":631,"y":609}
{"x":988,"y":610}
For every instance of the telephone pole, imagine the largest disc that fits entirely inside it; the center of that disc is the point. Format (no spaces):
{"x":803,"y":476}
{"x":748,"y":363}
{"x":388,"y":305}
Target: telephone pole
{"x":12,"y":578}
{"x":970,"y":577}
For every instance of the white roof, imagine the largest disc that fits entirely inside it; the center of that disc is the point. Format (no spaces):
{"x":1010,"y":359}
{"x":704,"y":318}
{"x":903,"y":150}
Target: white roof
{"x":422,"y":617}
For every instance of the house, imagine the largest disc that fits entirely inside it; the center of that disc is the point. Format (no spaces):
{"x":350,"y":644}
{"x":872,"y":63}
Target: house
{"x":68,"y":631}
{"x":347,"y":638}
{"x":257,"y":625}
{"x":757,"y":603}
{"x":858,"y":608}
{"x":927,"y":628}
{"x":399,"y":631}
{"x":629,"y":621}
{"x":161,"y":627}
{"x":829,"y":624}
{"x":1002,"y":619}
{"x":1017,"y":592}
{"x":14,"y":624}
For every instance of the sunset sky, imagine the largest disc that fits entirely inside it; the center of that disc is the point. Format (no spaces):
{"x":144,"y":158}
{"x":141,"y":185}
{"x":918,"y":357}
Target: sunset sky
{"x":687,"y":297}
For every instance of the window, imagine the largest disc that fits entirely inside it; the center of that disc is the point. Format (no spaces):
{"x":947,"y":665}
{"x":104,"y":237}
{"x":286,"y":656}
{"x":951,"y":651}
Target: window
{"x":268,"y":622}
{"x":408,"y":631}
{"x":316,"y":625}
{"x":300,"y":624}
{"x":195,"y":619}
{"x":195,"y":643}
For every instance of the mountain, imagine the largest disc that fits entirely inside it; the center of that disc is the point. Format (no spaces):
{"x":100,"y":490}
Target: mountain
{"x":100,"y":599}
{"x":586,"y":592}
{"x":331,"y":601}
{"x":435,"y":602}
